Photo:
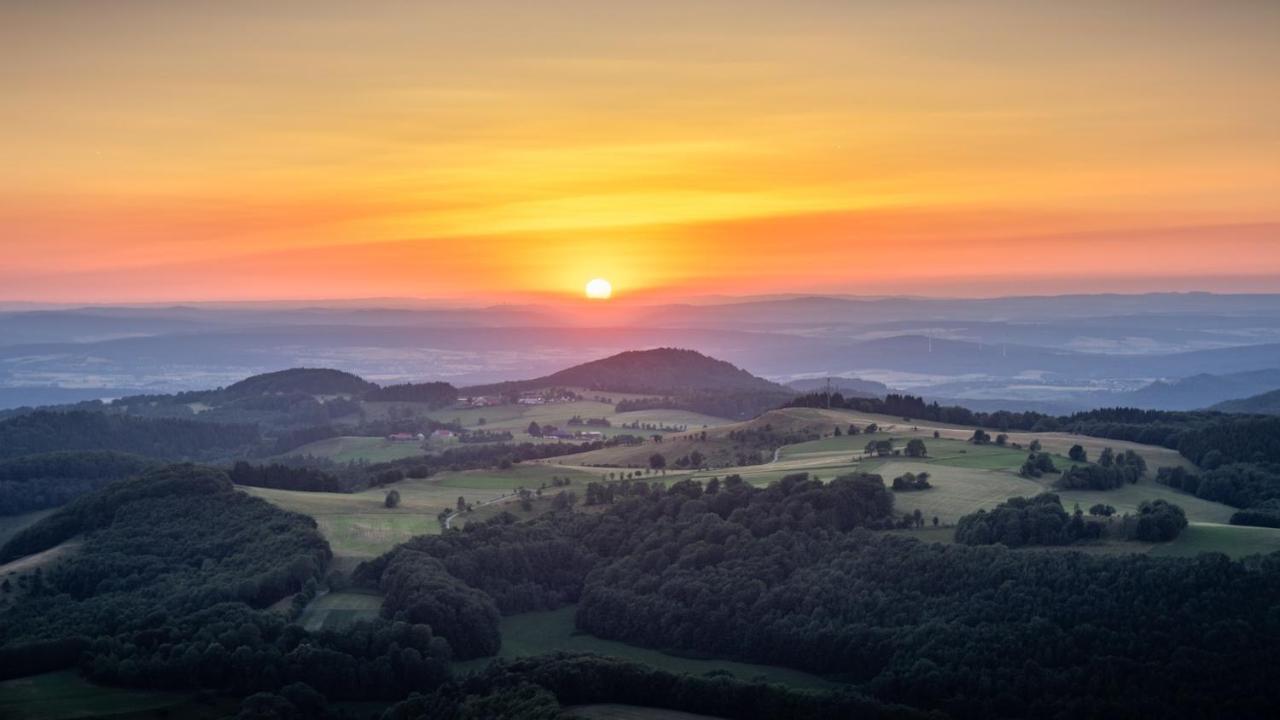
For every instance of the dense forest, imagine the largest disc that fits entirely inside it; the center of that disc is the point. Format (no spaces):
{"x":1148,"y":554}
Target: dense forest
{"x":167,"y":591}
{"x":793,"y":575}
{"x":1041,"y":520}
{"x":37,"y":482}
{"x":536,"y":688}
{"x":171,"y":439}
{"x":1203,"y":437}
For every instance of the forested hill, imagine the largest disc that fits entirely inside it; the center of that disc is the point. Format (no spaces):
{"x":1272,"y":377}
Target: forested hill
{"x":662,"y":371}
{"x":312,"y":381}
{"x":1267,"y":403}
{"x":46,"y":431}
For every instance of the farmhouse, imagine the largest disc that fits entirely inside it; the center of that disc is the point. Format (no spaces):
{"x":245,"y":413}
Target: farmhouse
{"x":405,"y":437}
{"x":443,"y":434}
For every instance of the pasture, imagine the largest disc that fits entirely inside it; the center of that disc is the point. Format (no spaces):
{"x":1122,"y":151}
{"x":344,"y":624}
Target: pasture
{"x":352,"y":448}
{"x":336,"y":610}
{"x":628,"y":712}
{"x":359,"y":525}
{"x":541,"y":632}
{"x":1232,"y":540}
{"x":65,"y":695}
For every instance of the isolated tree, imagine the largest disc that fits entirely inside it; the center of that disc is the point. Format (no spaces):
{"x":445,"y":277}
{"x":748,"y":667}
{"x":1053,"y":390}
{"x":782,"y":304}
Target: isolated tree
{"x":935,"y":521}
{"x":1106,"y":457}
{"x":853,"y":429}
{"x":915,"y":448}
{"x":696,"y":459}
{"x":393,"y":499}
{"x":838,"y":432}
{"x":534,"y":429}
{"x":657,"y":461}
{"x":1034,"y":446}
{"x":1002,"y":439}
{"x":936,"y":434}
{"x":872,"y":429}
{"x":980,"y":437}
{"x":1078,"y":454}
{"x":1101,"y":510}
{"x":462,"y":504}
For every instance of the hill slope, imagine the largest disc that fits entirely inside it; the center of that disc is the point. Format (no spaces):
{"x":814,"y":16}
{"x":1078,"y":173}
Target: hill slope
{"x":1267,"y":403}
{"x":1201,"y":390}
{"x":310,"y":381}
{"x":663,"y":371}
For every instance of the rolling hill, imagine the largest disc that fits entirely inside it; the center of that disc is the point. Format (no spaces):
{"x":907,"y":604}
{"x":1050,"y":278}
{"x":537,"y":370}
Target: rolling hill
{"x":1267,"y":403}
{"x":663,"y":371}
{"x":849,"y":387}
{"x":1200,"y":390}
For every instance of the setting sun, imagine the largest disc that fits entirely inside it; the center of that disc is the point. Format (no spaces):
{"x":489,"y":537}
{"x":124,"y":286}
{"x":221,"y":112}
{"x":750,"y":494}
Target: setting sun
{"x":599,"y":289}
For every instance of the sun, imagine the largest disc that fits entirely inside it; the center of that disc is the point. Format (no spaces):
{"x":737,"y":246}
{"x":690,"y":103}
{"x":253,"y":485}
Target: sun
{"x":599,"y":289}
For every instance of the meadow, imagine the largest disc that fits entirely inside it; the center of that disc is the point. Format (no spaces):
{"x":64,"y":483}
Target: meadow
{"x":359,"y":525}
{"x":65,"y":695}
{"x":336,"y":610}
{"x":628,"y":712}
{"x":535,"y":633}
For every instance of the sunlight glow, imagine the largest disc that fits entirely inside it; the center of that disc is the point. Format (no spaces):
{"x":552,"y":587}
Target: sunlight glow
{"x":599,"y":289}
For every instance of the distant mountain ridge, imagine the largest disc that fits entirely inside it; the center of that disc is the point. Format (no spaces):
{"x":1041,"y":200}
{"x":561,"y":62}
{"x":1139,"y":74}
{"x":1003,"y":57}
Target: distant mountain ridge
{"x":1201,"y":390}
{"x":663,"y":371}
{"x":845,"y":386}
{"x":1267,"y":403}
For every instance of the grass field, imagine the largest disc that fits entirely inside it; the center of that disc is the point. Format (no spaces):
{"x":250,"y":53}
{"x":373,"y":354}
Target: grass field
{"x":360,"y":525}
{"x":516,"y":418}
{"x":628,"y":712}
{"x":65,"y":695}
{"x":540,"y":632}
{"x":1232,"y":540}
{"x":336,"y":610}
{"x":352,"y":449}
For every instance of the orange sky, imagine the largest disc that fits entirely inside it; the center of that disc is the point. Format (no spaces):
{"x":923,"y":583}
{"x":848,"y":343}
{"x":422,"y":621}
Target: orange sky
{"x":495,"y":151}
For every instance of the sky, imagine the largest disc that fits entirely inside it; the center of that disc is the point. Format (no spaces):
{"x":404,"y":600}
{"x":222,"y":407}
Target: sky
{"x":490,"y":152}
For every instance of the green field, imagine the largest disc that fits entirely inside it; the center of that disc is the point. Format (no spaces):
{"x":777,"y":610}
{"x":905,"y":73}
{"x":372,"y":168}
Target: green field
{"x":359,"y":525}
{"x":628,"y":712}
{"x":354,"y":449}
{"x":1232,"y":540}
{"x":516,"y":418}
{"x":336,"y":610}
{"x":65,"y":695}
{"x":541,"y":632}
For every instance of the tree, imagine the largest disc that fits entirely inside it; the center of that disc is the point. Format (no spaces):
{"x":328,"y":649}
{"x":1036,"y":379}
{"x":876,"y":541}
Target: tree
{"x":1034,"y":446}
{"x":936,"y":434}
{"x":980,"y":437}
{"x":1107,"y":457}
{"x":534,"y":429}
{"x":1002,"y":439}
{"x":838,"y":432}
{"x":1078,"y":454}
{"x":462,"y":504}
{"x":915,"y":448}
{"x":872,"y":429}
{"x":657,"y":461}
{"x":393,"y":499}
{"x":1101,"y":510}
